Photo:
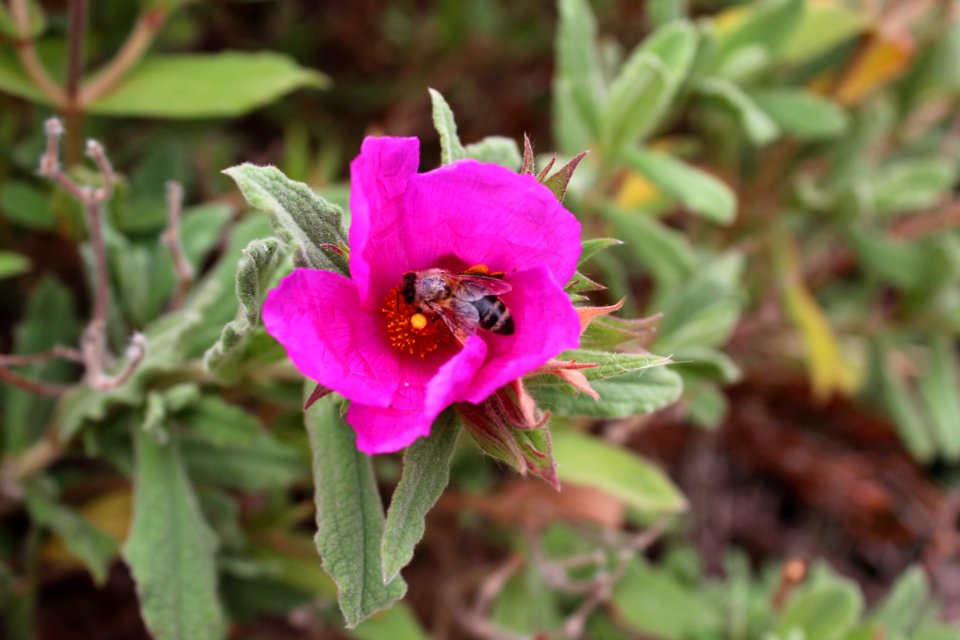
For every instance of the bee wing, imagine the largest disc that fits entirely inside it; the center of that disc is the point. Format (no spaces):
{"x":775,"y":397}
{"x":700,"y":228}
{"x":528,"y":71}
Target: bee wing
{"x":474,"y":287}
{"x":460,"y":317}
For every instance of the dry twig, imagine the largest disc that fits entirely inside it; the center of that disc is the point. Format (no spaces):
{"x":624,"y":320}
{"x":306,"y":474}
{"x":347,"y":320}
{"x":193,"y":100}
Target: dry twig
{"x":172,"y":239}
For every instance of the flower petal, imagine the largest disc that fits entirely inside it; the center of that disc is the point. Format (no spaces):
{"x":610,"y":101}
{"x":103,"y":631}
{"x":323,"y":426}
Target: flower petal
{"x":415,"y":406}
{"x":378,"y":183}
{"x":317,"y":317}
{"x":486,"y":214}
{"x":546,"y":324}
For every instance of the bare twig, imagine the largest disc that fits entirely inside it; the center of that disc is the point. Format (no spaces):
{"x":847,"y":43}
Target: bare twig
{"x":93,"y":344}
{"x":137,"y":43}
{"x":477,"y":618}
{"x":171,"y":238}
{"x":27,"y":52}
{"x":33,"y":386}
{"x":16,"y":360}
{"x":78,"y":32}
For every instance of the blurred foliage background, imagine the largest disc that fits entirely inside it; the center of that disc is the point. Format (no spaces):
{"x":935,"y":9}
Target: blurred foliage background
{"x":784,"y":176}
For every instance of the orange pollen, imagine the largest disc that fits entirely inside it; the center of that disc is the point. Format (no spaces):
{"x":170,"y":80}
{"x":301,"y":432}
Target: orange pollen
{"x":411,"y":330}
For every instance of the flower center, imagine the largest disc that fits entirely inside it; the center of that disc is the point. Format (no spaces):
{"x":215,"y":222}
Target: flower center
{"x":409,"y":329}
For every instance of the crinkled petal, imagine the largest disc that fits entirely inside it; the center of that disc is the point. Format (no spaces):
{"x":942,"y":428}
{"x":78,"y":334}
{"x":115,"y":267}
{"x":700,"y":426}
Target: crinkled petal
{"x":317,"y":317}
{"x":416,"y":405}
{"x":378,"y":184}
{"x":486,"y":214}
{"x":546,"y":324}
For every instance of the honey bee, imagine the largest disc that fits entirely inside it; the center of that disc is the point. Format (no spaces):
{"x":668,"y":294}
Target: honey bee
{"x":465,"y":301}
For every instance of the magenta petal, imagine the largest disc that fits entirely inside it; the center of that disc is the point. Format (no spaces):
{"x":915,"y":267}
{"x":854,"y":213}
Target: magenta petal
{"x":415,"y":407}
{"x":378,"y":183}
{"x":317,"y":317}
{"x":487,"y":214}
{"x":546,"y":324}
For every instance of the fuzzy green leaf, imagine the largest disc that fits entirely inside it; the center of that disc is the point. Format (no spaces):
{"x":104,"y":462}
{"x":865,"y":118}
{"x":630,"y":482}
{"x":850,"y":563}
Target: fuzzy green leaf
{"x":450,"y":148}
{"x":225,"y":445}
{"x":825,"y":612}
{"x":699,"y":191}
{"x":82,"y":538}
{"x":589,"y":461}
{"x":25,"y":205}
{"x":803,"y":114}
{"x":224,"y":84}
{"x":758,"y":126}
{"x":426,"y":472}
{"x":592,"y":247}
{"x":496,"y":149}
{"x":905,"y":603}
{"x":938,"y":387}
{"x":296,"y":212}
{"x":350,"y":519}
{"x":49,"y":320}
{"x":578,"y":86}
{"x":627,"y":385}
{"x":638,"y":96}
{"x":171,"y":550}
{"x":258,"y":266}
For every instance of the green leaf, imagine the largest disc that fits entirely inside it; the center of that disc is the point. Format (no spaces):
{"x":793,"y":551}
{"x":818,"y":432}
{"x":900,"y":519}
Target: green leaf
{"x":822,"y":27}
{"x":82,"y":538}
{"x":578,"y":85}
{"x":704,"y":311}
{"x":592,"y":247}
{"x":825,"y":612}
{"x":803,"y":114}
{"x":13,"y":82}
{"x":496,"y":149}
{"x":450,"y":148}
{"x":13,"y":264}
{"x":894,"y":396}
{"x":591,"y":462}
{"x":912,"y":183}
{"x":25,"y":205}
{"x":904,"y":605}
{"x":653,"y":602}
{"x":171,"y":550}
{"x":165,"y":353}
{"x":938,"y":387}
{"x":205,"y":86}
{"x":49,"y":320}
{"x":224,"y":445}
{"x":296,"y":212}
{"x":258,"y":266}
{"x":667,"y":253}
{"x":758,"y":126}
{"x":397,"y":623}
{"x":426,"y":472}
{"x":768,"y":25}
{"x":350,"y":519}
{"x":697,"y":190}
{"x":628,"y":384}
{"x":638,"y":96}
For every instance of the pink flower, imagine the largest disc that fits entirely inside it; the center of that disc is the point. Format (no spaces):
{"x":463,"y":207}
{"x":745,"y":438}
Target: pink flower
{"x":355,"y":335}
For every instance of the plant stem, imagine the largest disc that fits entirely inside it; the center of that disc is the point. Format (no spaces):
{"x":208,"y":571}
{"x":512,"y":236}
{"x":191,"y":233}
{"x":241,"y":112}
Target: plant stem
{"x":171,"y":238}
{"x":27,"y":53}
{"x":137,"y":43}
{"x":78,"y":32}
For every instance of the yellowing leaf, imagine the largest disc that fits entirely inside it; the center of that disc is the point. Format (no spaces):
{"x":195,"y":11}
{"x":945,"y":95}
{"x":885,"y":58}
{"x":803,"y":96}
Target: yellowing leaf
{"x":636,"y":191}
{"x":882,"y":61}
{"x":729,"y":19}
{"x":829,"y":371}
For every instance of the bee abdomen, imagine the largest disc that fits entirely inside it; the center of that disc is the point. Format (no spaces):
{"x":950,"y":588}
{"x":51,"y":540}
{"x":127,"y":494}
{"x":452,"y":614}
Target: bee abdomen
{"x":494,"y":315}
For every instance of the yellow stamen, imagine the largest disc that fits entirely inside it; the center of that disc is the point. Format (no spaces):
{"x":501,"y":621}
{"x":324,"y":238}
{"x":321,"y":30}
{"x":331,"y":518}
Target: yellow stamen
{"x":418,"y":321}
{"x":409,"y":329}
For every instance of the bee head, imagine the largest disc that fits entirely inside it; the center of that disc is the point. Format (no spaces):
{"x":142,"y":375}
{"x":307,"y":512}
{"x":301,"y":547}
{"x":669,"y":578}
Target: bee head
{"x":409,"y":287}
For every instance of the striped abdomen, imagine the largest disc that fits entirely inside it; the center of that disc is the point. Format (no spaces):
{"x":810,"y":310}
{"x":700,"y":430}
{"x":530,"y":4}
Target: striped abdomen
{"x":494,"y":315}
